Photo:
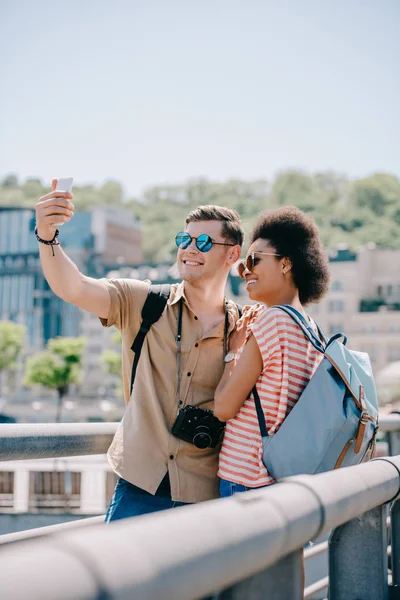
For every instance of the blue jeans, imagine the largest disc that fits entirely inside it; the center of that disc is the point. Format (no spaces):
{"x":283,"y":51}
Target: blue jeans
{"x":228,"y":488}
{"x":131,"y":501}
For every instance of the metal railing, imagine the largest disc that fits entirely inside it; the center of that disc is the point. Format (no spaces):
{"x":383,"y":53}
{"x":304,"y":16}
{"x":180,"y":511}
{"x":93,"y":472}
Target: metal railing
{"x":244,"y":547}
{"x":55,"y":440}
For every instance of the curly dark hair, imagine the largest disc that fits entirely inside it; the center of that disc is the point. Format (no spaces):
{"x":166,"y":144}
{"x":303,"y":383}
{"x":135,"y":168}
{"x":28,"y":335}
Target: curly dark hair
{"x":295,"y":235}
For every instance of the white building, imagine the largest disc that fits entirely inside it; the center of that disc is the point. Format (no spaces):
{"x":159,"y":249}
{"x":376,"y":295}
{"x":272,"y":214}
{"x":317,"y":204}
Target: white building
{"x":360,"y":281}
{"x":34,"y":493}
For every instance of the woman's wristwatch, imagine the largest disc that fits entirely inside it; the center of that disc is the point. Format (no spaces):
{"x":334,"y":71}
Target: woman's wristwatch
{"x":230,"y":357}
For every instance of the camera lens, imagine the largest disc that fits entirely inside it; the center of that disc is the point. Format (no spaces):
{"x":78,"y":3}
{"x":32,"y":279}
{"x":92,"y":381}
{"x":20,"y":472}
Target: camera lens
{"x":202,"y":439}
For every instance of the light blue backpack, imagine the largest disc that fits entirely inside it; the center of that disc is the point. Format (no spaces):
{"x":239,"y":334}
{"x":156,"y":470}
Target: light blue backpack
{"x":334,"y":422}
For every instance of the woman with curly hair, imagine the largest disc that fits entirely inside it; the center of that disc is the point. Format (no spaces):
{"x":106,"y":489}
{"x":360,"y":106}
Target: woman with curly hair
{"x":285,"y":264}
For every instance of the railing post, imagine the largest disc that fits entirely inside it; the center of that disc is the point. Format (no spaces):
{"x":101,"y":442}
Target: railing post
{"x":284,"y":579}
{"x":395,"y":531}
{"x":21,"y":491}
{"x":394,"y":442}
{"x":93,"y":491}
{"x":358,"y":562}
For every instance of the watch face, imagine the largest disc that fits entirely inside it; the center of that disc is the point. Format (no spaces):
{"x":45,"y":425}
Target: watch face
{"x":230,"y":356}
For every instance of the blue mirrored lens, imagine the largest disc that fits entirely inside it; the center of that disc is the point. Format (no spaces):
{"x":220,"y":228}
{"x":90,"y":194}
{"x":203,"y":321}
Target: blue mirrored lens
{"x":182,"y":240}
{"x":204,"y":242}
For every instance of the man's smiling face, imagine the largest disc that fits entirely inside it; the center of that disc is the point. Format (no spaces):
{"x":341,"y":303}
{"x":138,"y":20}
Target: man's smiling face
{"x":194,"y":265}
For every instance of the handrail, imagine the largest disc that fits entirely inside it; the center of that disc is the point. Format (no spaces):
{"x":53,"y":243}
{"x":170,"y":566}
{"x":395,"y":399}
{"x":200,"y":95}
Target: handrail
{"x":318,"y":586}
{"x":21,"y":441}
{"x":30,"y":534}
{"x":389,"y":422}
{"x":192,"y":551}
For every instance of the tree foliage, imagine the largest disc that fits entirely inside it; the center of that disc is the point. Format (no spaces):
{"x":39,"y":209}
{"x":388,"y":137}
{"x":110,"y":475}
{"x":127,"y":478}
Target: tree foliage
{"x":353,"y":212}
{"x":11,"y":343}
{"x":112,"y":361}
{"x":57,"y":367}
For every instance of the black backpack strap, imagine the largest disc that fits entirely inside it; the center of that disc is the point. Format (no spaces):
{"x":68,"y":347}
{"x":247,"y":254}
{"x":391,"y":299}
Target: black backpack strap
{"x":152,"y":310}
{"x":260,"y":413}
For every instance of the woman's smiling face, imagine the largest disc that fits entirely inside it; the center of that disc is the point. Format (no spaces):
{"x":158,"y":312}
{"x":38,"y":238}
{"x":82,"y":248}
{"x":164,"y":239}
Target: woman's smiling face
{"x":265,"y":281}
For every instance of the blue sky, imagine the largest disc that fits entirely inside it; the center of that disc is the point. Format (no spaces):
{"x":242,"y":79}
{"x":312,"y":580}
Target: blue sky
{"x":165,"y":90}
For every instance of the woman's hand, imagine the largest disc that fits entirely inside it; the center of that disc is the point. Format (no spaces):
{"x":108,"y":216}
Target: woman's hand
{"x":238,"y":337}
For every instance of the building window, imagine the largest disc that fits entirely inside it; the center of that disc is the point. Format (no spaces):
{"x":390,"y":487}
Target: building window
{"x":6,"y":489}
{"x":336,"y":306}
{"x":369,"y":328}
{"x":337,"y":286}
{"x":394,"y":353}
{"x":335,"y":328}
{"x":379,"y":290}
{"x":54,"y":490}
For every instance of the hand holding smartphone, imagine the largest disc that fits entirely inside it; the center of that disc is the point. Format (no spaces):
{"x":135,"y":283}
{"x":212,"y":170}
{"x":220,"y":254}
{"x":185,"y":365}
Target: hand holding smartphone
{"x":64,"y":184}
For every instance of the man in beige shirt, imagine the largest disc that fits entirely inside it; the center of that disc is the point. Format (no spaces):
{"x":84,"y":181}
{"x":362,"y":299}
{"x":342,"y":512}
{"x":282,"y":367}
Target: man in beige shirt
{"x":156,"y":469}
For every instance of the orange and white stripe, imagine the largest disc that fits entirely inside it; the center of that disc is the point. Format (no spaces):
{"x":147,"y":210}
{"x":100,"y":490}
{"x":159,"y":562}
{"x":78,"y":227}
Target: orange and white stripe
{"x":289,"y":361}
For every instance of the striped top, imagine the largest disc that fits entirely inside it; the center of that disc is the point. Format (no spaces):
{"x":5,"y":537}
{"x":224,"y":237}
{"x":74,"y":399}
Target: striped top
{"x":289,"y":361}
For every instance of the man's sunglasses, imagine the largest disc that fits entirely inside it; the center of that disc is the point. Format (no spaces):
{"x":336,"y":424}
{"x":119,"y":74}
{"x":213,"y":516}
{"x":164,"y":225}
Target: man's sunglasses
{"x":203,"y":242}
{"x":251,"y":261}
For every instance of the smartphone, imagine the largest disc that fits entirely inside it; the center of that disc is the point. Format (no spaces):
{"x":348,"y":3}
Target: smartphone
{"x":64,"y":184}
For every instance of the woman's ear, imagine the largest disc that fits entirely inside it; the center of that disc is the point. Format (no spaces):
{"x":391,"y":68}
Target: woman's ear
{"x":286,"y":265}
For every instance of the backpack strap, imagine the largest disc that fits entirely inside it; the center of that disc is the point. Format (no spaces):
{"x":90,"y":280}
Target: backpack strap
{"x":260,"y":413}
{"x":239,"y":309}
{"x":308,"y":331}
{"x":152,"y":310}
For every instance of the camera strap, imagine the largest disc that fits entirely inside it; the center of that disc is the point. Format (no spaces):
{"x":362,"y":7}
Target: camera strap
{"x":179,"y":344}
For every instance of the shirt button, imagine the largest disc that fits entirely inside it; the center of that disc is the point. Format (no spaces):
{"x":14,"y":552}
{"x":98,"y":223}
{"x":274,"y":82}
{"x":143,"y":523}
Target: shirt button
{"x":180,"y":402}
{"x":189,"y":374}
{"x":171,"y":456}
{"x":196,"y":345}
{"x":195,"y":318}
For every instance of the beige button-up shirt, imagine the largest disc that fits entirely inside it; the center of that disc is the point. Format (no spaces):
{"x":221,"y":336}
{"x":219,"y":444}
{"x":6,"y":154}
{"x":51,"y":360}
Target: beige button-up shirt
{"x":143,"y":449}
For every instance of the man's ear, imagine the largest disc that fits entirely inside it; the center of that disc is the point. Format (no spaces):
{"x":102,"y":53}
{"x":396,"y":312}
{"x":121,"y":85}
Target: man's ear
{"x":234,"y":254}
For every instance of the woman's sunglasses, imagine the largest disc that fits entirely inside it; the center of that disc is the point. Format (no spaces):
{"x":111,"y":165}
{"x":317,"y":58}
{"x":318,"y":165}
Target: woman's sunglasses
{"x":203,"y":242}
{"x":251,"y":261}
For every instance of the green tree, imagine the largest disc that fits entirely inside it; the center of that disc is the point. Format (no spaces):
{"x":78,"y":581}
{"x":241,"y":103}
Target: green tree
{"x":111,"y":192}
{"x":11,"y":343}
{"x":57,"y":367}
{"x":353,"y":212}
{"x":112,"y":361}
{"x":377,"y":193}
{"x":296,"y":188}
{"x":10,"y":181}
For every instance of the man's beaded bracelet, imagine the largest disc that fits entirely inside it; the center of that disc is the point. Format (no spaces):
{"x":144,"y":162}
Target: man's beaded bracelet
{"x":52,"y":243}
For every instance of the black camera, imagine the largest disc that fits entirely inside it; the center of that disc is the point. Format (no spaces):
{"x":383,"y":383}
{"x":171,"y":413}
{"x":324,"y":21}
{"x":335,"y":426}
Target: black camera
{"x":198,"y":426}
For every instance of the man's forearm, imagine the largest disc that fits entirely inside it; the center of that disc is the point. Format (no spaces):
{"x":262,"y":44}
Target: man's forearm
{"x":62,"y":275}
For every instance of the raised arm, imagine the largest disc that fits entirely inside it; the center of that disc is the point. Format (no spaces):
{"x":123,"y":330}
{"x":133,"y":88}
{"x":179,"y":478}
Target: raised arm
{"x":237,"y":382}
{"x":62,"y":274}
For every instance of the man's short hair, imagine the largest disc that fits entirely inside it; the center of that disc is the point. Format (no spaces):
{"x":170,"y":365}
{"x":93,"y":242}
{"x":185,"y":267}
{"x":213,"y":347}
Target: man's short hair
{"x":231,"y":229}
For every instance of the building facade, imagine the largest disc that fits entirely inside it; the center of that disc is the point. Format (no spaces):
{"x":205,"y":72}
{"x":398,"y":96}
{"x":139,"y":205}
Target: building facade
{"x":95,"y":241}
{"x":363,"y":301}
